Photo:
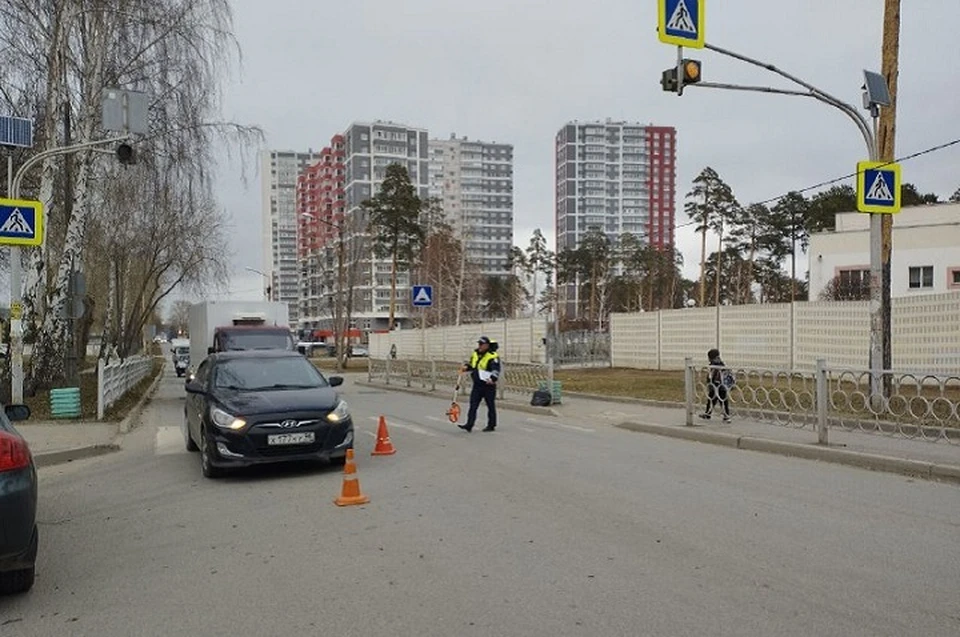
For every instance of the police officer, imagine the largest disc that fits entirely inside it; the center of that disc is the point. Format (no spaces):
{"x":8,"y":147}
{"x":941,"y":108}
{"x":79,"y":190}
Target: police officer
{"x":484,"y":368}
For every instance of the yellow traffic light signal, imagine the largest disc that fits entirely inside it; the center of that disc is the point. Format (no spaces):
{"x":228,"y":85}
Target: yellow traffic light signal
{"x":691,"y":71}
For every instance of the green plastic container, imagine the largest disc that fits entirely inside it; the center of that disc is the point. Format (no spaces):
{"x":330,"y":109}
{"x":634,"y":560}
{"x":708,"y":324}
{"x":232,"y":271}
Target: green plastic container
{"x":555,"y":395}
{"x":65,"y":402}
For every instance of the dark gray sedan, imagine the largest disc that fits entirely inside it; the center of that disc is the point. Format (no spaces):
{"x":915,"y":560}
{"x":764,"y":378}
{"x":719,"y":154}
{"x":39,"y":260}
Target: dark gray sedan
{"x":264,"y":406}
{"x":18,"y":505}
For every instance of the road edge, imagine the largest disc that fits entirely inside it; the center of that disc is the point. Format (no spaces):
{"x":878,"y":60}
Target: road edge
{"x":135,"y":412}
{"x":875,"y":462}
{"x":502,"y":404}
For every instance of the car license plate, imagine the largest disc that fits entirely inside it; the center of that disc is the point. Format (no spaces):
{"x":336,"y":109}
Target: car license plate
{"x":304,"y":438}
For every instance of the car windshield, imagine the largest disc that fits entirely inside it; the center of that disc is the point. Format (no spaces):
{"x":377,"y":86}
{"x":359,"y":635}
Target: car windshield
{"x":258,"y":374}
{"x":256,"y":339}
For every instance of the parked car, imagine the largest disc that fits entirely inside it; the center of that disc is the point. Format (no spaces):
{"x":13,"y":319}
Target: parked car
{"x":359,"y":351}
{"x":18,"y":505}
{"x":264,"y":406}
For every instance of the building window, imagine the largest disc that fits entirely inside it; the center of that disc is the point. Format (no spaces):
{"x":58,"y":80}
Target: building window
{"x":921,"y":277}
{"x":953,"y":277}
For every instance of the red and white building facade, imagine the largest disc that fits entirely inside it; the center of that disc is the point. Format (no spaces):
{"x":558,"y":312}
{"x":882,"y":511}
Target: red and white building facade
{"x":320,"y":209}
{"x":618,"y":177}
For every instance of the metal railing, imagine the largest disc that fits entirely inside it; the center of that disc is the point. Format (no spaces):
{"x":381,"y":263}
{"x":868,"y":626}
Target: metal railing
{"x":114,"y":380}
{"x":518,"y":378}
{"x":581,"y":349}
{"x":914,"y":406}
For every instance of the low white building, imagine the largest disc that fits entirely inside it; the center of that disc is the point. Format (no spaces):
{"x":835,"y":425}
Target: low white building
{"x":925,"y":257}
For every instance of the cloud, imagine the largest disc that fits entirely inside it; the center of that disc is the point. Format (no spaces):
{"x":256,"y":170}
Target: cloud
{"x":516,"y":70}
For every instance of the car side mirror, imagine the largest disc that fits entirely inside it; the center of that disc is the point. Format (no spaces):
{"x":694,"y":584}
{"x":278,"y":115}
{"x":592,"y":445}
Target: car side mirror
{"x":17,"y":412}
{"x":335,"y":381}
{"x":193,"y":387}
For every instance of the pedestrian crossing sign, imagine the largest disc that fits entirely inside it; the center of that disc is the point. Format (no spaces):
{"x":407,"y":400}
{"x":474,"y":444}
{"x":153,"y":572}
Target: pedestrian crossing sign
{"x":422,"y":295}
{"x":21,"y":222}
{"x":681,"y":22}
{"x":878,"y":187}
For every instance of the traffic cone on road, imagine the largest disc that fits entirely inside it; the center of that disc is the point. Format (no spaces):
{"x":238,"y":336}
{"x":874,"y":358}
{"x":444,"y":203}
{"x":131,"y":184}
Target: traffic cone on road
{"x":384,"y":447}
{"x":350,"y":492}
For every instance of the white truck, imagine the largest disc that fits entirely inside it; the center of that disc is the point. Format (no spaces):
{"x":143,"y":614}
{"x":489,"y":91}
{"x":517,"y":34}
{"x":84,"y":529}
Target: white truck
{"x":218,"y":326}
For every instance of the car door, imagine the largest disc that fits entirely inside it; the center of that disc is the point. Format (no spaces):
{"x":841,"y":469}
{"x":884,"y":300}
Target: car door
{"x":197,"y":403}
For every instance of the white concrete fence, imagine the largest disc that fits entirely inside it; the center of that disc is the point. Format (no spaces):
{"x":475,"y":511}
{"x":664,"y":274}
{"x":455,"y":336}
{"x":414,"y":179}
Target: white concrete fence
{"x":926,"y":336}
{"x":521,"y":341}
{"x":116,"y":379}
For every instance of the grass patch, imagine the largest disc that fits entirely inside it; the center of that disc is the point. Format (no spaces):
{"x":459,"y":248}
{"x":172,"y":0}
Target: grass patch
{"x":621,"y":381}
{"x":40,"y":402}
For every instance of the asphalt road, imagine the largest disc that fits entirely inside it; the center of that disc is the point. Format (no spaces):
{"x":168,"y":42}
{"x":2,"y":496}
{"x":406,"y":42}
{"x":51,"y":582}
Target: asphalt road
{"x":542,"y":528}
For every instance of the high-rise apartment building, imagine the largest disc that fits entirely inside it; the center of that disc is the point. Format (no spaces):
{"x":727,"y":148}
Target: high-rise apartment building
{"x":618,"y":177}
{"x":370,"y":148}
{"x":474,"y":182}
{"x":278,"y":184}
{"x":320,"y":207}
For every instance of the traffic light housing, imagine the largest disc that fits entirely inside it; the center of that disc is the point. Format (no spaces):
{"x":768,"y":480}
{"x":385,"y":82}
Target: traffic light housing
{"x":691,"y":75}
{"x":691,"y":71}
{"x":126,"y":155}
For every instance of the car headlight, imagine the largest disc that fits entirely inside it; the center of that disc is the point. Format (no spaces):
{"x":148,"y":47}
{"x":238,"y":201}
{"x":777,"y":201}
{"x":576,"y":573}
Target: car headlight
{"x":226,"y":421}
{"x":340,"y":413}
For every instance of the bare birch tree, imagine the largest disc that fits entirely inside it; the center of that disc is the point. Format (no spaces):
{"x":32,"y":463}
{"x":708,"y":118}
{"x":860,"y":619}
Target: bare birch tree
{"x":177,"y":51}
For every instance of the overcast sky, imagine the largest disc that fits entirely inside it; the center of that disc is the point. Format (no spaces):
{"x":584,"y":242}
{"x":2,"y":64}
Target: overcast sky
{"x":516,"y":70}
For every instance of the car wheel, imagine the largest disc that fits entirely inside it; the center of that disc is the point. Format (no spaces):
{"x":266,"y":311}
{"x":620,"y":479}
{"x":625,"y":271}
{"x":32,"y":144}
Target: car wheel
{"x":206,"y":466}
{"x":13,"y":582}
{"x":188,"y":441}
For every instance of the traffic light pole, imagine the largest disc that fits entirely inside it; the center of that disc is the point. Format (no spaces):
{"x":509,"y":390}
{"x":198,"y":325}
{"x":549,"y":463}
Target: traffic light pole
{"x":879,"y":328}
{"x":16,"y":277}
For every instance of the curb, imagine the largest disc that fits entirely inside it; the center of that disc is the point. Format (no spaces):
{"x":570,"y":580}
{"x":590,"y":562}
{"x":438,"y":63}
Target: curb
{"x":134,"y":413}
{"x":77,"y":453}
{"x":903,"y":466}
{"x":530,"y":409}
{"x":627,"y":400}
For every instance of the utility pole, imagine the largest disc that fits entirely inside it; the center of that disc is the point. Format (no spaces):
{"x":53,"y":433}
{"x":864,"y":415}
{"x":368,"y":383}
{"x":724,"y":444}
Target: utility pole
{"x":890,"y":69}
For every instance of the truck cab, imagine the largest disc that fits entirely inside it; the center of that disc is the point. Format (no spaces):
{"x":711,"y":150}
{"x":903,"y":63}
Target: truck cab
{"x":251,"y":336}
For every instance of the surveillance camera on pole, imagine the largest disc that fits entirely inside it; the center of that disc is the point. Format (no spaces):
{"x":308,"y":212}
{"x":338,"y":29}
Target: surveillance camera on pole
{"x":125,"y":112}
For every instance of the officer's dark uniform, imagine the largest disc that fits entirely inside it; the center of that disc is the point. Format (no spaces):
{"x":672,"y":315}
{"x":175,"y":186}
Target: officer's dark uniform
{"x":489,"y":363}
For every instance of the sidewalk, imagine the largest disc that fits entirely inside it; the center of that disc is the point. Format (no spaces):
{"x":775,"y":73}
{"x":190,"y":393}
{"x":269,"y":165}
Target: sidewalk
{"x":58,"y":441}
{"x":932,"y":460}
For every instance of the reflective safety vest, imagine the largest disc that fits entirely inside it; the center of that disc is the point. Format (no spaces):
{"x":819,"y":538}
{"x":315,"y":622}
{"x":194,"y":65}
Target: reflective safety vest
{"x":478,"y":362}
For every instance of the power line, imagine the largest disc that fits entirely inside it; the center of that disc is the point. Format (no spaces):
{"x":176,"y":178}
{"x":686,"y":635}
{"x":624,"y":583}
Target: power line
{"x":830,"y":182}
{"x":855,"y":174}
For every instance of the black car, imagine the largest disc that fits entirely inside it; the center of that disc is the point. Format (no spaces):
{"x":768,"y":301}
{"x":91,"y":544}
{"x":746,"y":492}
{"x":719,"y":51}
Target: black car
{"x":18,"y":505}
{"x":253,"y":407}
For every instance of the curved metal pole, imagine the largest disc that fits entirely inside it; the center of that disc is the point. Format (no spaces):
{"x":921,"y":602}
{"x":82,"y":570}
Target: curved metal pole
{"x":53,"y":152}
{"x":815,"y":92}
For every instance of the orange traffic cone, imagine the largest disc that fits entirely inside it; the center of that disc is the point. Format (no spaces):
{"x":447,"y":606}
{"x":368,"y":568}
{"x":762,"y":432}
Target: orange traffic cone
{"x":384,"y":446}
{"x":350,"y":492}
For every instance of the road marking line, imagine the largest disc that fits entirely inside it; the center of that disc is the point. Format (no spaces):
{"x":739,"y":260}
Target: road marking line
{"x":371,"y":434}
{"x":417,"y":429}
{"x":554,"y":423}
{"x":169,"y":441}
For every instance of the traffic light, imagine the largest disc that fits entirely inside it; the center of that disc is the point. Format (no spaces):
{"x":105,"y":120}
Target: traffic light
{"x":691,"y":75}
{"x":691,"y":71}
{"x":125,"y":154}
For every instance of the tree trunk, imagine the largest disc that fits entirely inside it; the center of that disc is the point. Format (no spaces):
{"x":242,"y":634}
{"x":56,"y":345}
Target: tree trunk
{"x":393,"y":289}
{"x":703,"y":250}
{"x":716,"y":291}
